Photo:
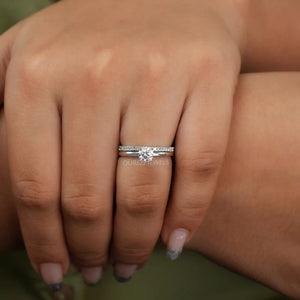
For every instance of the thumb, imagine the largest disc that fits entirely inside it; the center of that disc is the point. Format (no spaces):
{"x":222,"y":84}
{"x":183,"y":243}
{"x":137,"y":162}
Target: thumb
{"x":6,"y":43}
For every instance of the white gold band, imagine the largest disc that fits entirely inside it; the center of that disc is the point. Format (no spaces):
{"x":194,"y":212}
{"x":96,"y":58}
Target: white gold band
{"x":138,"y":148}
{"x":145,"y":153}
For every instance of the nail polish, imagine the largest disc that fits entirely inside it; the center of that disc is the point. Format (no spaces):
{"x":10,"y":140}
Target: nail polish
{"x":176,"y":243}
{"x":56,"y":287}
{"x":92,"y":276}
{"x":124,"y":272}
{"x":53,"y":275}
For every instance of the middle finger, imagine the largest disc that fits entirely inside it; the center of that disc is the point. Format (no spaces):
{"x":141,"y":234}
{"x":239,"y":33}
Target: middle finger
{"x":90,"y":131}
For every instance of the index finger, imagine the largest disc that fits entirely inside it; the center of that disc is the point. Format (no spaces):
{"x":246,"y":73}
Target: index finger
{"x":33,"y":136}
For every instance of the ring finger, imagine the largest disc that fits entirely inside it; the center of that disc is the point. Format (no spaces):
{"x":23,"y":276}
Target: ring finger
{"x":143,"y":188}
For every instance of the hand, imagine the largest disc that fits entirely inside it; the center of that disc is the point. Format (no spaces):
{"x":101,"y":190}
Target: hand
{"x":110,"y":73}
{"x":261,"y":240}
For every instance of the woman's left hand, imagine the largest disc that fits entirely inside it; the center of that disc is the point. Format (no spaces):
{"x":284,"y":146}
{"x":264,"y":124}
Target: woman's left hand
{"x":83,"y":76}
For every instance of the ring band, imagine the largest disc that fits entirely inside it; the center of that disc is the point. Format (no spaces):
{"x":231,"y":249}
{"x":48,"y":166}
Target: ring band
{"x":145,"y":153}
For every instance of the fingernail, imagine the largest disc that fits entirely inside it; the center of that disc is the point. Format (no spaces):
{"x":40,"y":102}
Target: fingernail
{"x":124,"y":272}
{"x":176,"y":243}
{"x":53,"y":275}
{"x":92,"y":276}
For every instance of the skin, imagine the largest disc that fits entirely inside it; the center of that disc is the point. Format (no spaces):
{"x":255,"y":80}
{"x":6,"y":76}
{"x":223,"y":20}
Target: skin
{"x":252,"y":225}
{"x":273,"y":38}
{"x":77,"y":89}
{"x":179,"y":74}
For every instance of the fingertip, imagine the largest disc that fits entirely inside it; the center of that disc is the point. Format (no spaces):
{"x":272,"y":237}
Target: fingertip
{"x":92,"y":276}
{"x":124,"y":272}
{"x":176,"y":242}
{"x":52,"y":274}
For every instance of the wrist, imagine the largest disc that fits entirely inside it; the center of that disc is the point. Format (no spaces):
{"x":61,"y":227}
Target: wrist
{"x":252,"y":225}
{"x":234,"y":14}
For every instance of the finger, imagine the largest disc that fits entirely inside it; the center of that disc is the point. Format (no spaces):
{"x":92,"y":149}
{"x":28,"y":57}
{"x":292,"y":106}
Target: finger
{"x":199,"y":149}
{"x":143,"y":188}
{"x":90,"y":143}
{"x":6,"y":42}
{"x":33,"y":133}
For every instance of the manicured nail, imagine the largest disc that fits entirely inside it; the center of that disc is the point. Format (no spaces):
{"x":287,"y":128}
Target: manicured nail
{"x":53,"y":275}
{"x":92,"y":276}
{"x":124,"y":272}
{"x":176,"y":243}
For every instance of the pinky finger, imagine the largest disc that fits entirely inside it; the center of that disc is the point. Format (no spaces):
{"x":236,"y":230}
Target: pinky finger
{"x":199,"y":149}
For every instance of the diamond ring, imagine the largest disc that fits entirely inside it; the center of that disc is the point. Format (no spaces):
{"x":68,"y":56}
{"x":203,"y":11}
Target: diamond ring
{"x":145,"y":153}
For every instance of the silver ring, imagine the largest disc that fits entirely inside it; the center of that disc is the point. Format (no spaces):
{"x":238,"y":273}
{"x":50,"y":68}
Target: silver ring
{"x":145,"y":153}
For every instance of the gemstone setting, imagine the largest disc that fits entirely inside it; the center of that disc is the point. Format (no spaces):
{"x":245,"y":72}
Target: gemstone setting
{"x":146,"y":154}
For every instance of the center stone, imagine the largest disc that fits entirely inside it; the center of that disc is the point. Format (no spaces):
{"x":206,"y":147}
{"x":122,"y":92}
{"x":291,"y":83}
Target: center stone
{"x":146,"y":154}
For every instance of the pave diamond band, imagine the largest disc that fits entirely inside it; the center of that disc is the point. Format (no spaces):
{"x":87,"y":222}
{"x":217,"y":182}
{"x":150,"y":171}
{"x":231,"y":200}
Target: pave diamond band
{"x":145,"y":153}
{"x":137,"y":148}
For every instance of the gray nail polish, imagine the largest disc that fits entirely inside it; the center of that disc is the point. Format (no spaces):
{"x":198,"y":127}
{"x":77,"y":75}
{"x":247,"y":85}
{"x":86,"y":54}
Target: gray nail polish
{"x":56,"y":287}
{"x":93,"y":284}
{"x":173,"y":254}
{"x":176,"y":242}
{"x":52,"y":274}
{"x":122,"y":279}
{"x":124,"y":272}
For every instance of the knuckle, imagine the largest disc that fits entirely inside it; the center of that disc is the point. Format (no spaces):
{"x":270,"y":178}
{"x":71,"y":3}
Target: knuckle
{"x":82,"y":203}
{"x":95,"y":71}
{"x":33,"y":194}
{"x":213,"y":60}
{"x":32,"y":67}
{"x":213,"y":57}
{"x":156,"y":64}
{"x":42,"y":250}
{"x":83,"y":208}
{"x":141,"y":199}
{"x":193,"y":210}
{"x":88,"y":258}
{"x":202,"y":165}
{"x":132,"y":254}
{"x":151,"y":62}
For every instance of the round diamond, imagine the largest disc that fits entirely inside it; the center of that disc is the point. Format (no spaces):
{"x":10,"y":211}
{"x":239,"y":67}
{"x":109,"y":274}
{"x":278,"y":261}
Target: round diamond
{"x":146,"y":154}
